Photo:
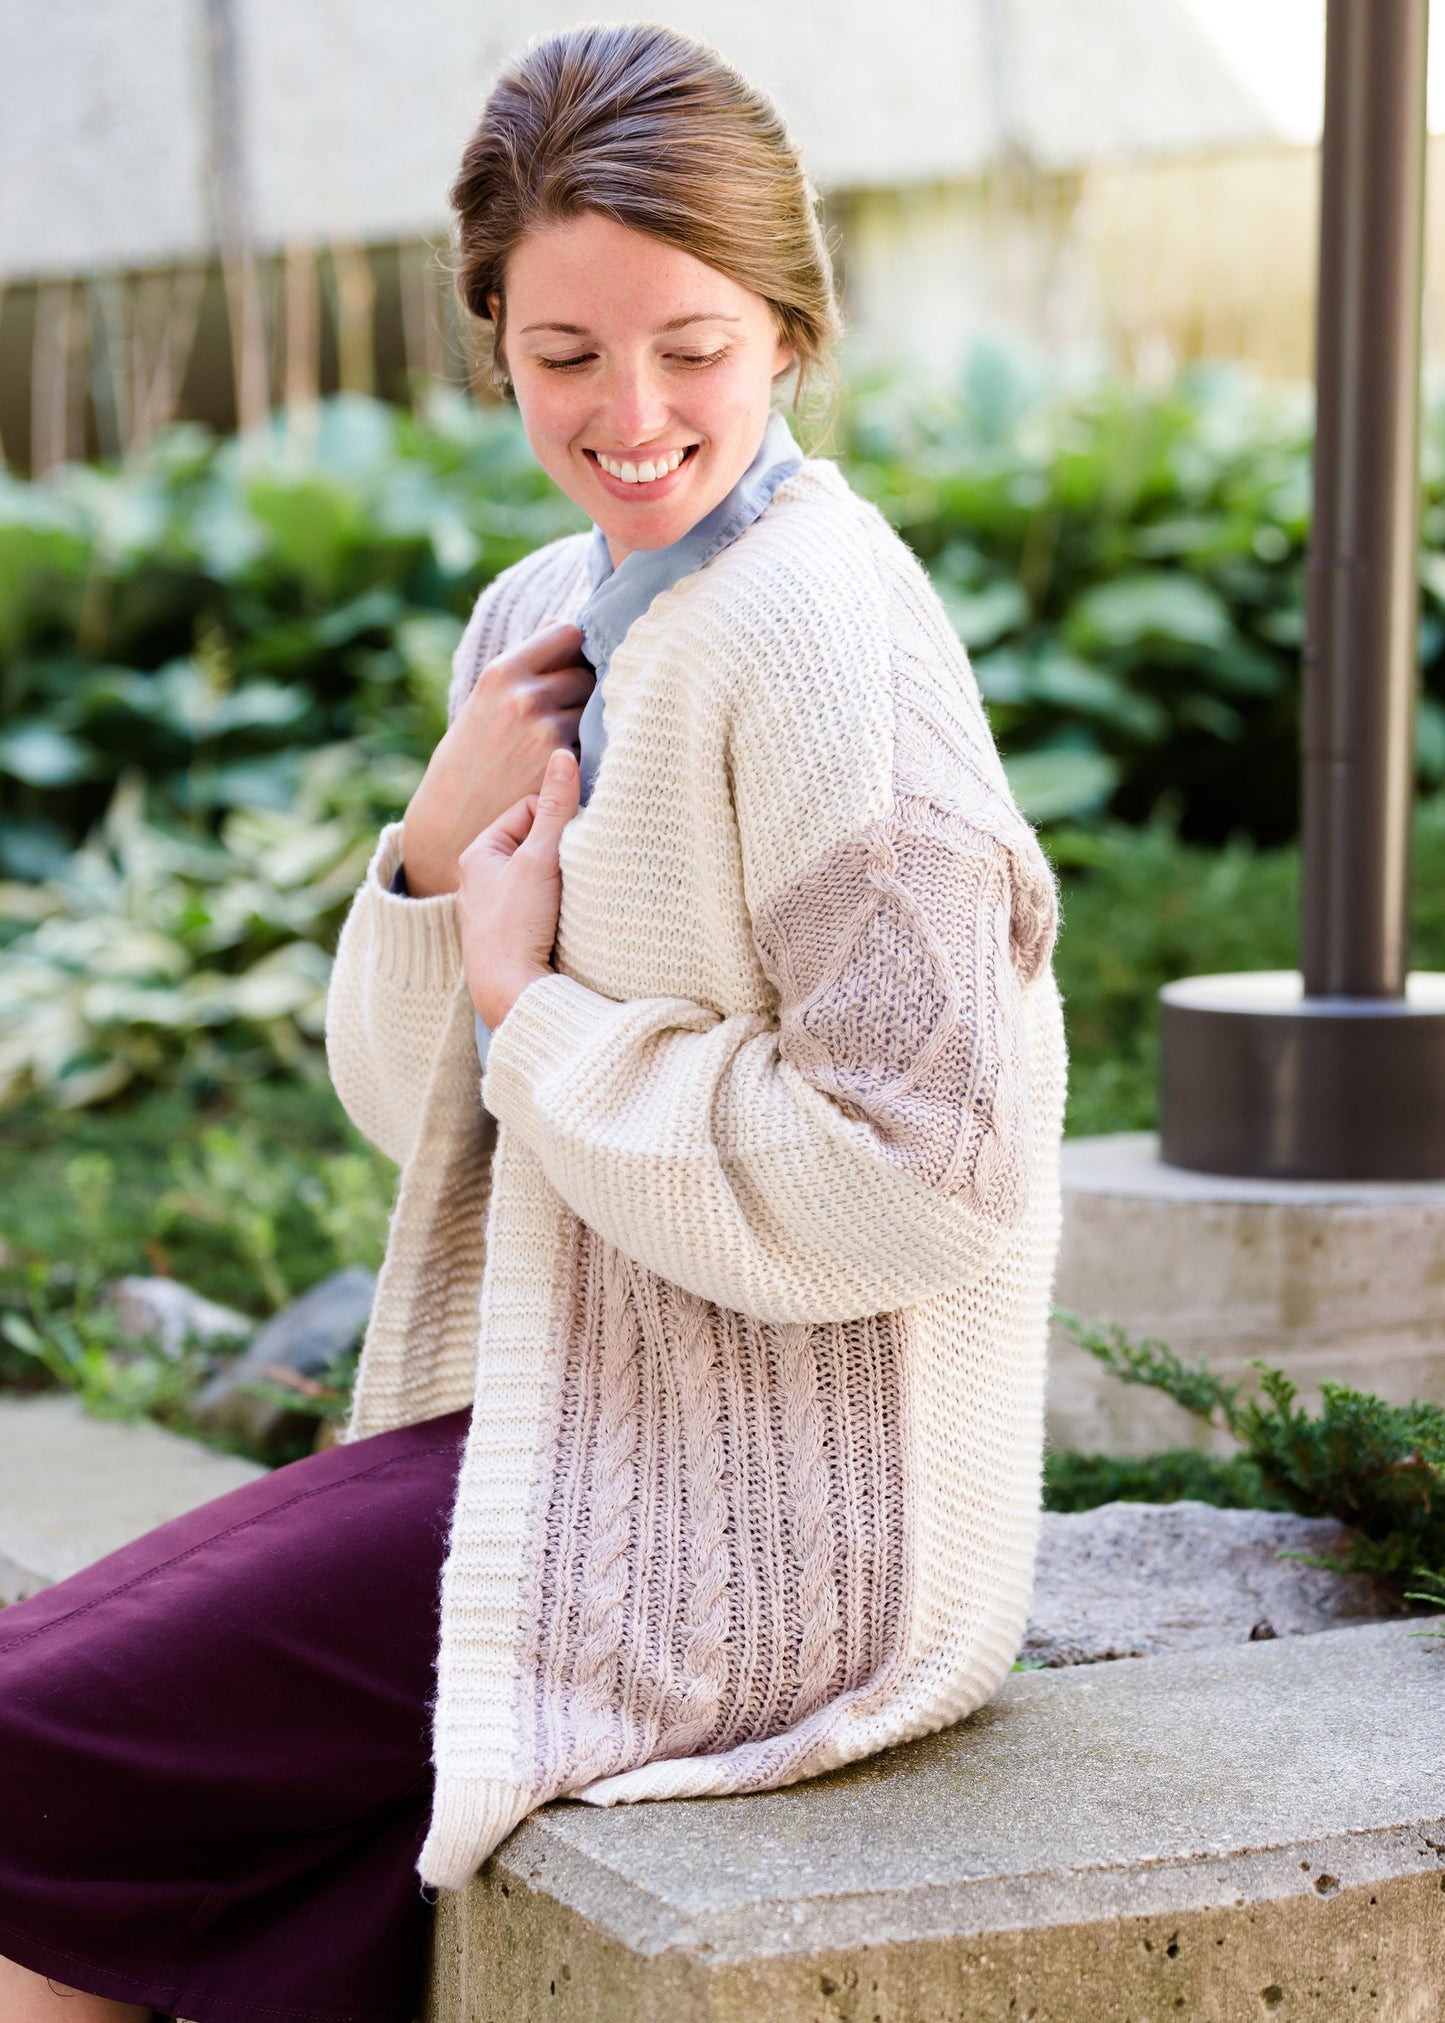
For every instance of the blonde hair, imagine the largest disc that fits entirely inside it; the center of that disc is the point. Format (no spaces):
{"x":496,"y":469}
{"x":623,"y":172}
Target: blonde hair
{"x":652,"y":129}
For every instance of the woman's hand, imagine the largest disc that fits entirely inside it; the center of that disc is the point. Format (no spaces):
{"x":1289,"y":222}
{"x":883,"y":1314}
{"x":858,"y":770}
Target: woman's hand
{"x":511,"y":890}
{"x":525,"y":705}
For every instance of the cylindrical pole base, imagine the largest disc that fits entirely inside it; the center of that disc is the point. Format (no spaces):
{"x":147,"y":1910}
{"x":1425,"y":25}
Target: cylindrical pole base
{"x":1259,"y":1081}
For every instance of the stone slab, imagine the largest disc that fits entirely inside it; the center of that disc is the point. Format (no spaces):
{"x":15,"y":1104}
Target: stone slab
{"x":73,"y":1488}
{"x":1341,"y":1280}
{"x":1217,"y":1835}
{"x":1133,"y":1580}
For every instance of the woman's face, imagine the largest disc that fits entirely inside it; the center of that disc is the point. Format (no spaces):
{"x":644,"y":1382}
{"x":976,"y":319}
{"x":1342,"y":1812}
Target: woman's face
{"x":644,"y":377}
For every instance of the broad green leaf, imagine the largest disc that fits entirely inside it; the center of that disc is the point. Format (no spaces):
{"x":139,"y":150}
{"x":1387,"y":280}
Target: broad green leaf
{"x":982,"y":617}
{"x":42,"y":756}
{"x":1057,"y":785}
{"x":1154,"y":609}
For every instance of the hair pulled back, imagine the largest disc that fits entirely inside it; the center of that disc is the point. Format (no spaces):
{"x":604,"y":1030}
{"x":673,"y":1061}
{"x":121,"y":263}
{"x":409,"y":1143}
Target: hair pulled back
{"x":652,"y":129}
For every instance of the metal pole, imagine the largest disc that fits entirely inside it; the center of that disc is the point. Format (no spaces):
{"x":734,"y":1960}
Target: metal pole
{"x":1343,"y":1079}
{"x":1360,"y":656}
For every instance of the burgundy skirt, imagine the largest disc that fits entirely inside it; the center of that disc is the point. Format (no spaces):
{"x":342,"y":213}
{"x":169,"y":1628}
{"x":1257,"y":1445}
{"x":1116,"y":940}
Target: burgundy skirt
{"x":215,"y":1748}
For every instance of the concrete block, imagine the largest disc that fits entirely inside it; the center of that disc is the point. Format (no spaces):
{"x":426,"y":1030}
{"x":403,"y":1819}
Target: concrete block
{"x":1218,"y":1835}
{"x":73,"y":1488}
{"x":1342,"y":1280}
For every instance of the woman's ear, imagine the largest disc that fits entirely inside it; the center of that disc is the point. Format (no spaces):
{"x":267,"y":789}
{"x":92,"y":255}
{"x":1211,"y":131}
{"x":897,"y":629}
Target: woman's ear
{"x":494,"y":303}
{"x":784,"y":358}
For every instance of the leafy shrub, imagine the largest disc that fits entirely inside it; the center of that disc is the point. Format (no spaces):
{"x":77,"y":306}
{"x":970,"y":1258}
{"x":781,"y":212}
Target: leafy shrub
{"x":222,"y":667}
{"x":1074,"y":1481}
{"x":1126,"y":564}
{"x":205,"y":612}
{"x":72,"y":1339}
{"x":1140,"y":908}
{"x":1377,"y":1468}
{"x":155,"y":952}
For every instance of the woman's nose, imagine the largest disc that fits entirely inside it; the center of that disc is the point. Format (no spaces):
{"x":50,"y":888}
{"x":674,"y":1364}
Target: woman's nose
{"x":637,"y":410}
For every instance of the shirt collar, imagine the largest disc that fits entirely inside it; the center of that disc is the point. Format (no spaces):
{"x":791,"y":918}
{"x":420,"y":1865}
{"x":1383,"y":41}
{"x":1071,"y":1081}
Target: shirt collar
{"x":620,"y":595}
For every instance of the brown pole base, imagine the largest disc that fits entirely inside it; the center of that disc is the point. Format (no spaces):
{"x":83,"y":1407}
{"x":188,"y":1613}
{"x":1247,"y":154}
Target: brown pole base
{"x":1259,"y":1081}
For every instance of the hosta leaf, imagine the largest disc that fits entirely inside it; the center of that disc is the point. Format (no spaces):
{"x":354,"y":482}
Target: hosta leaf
{"x":1053,"y":786}
{"x":1150,"y":609}
{"x":43,"y":756}
{"x":982,"y":617}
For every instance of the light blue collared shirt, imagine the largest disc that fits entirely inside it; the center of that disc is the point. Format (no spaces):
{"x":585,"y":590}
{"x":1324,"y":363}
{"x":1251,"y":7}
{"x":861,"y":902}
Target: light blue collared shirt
{"x":620,"y":595}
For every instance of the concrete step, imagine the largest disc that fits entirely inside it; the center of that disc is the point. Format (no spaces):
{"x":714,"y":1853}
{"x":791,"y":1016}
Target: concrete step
{"x":1326,"y":1280}
{"x":73,"y":1488}
{"x":1216,"y":1835}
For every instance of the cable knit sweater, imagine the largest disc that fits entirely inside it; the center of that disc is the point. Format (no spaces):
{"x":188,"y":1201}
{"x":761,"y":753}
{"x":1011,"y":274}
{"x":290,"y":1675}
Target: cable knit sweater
{"x":745,"y":1264}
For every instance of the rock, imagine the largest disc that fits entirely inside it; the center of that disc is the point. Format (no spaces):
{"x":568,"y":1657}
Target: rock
{"x":326,"y":1322}
{"x":73,"y":1488}
{"x":1132,"y":1580}
{"x":169,"y":1313}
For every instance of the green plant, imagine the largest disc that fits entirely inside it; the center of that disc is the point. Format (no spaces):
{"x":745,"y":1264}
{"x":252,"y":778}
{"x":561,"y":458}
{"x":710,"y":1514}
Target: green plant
{"x":326,"y":1398}
{"x":1378,"y":1468}
{"x":1125,"y":563}
{"x":156,"y":954}
{"x":1433,"y":1592}
{"x":75,"y":1341}
{"x":235,"y":1182}
{"x":1074,"y":1481}
{"x":337,"y":1194}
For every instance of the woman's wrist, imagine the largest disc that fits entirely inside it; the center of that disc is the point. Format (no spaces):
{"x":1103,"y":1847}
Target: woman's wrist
{"x":494,"y":995}
{"x":422,"y":877}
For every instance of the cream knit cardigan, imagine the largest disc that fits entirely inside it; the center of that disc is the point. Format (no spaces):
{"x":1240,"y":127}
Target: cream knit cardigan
{"x":748,"y":1283}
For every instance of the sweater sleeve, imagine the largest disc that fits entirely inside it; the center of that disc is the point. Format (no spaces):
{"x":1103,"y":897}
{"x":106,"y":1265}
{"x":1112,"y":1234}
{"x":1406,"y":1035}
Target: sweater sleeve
{"x":398,"y":965}
{"x":865,"y":1142}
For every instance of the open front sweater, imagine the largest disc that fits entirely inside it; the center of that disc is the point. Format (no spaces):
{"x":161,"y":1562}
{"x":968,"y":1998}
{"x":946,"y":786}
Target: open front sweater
{"x":742,"y":1250}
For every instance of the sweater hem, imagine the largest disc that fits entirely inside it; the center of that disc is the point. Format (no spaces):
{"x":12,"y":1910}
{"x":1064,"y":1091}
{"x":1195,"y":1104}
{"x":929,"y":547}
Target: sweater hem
{"x":471,"y":1817}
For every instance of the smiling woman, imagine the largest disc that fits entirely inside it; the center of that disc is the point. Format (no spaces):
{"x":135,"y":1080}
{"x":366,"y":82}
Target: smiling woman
{"x":705,"y":1376}
{"x":646,"y":282}
{"x":650,"y":407}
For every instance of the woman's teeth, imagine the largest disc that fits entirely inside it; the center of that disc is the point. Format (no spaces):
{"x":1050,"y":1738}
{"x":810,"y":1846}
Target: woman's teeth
{"x":643,"y":473}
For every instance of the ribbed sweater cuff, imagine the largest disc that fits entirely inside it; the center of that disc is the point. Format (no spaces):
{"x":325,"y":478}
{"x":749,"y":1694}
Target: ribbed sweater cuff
{"x":552,"y":1018}
{"x":415,"y":942}
{"x":471,"y":1816}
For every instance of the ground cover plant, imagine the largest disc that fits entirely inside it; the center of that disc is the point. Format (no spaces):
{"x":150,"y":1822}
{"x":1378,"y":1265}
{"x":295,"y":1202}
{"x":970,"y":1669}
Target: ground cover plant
{"x":1377,"y":1468}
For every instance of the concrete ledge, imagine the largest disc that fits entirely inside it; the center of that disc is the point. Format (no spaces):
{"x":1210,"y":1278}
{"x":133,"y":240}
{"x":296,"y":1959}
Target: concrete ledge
{"x":73,"y":1488}
{"x":1220,"y":1834}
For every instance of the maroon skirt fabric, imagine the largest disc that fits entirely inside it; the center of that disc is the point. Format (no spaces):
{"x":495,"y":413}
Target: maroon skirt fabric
{"x":215,"y":1748}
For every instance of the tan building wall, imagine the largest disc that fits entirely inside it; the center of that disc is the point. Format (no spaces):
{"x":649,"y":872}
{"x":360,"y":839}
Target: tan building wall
{"x":1143,"y":265}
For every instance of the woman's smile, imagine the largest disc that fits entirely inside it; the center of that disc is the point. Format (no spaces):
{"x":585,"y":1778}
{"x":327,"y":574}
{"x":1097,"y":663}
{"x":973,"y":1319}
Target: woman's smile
{"x":642,"y":477}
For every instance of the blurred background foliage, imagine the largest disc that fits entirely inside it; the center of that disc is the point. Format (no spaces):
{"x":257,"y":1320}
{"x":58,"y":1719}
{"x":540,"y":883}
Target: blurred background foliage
{"x":224,"y":662}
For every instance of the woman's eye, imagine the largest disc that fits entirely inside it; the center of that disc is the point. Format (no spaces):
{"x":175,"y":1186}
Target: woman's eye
{"x":567,"y":364}
{"x":700,"y":357}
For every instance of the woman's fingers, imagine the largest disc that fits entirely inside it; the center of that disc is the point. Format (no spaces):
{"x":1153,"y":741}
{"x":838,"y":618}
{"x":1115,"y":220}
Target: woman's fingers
{"x":557,"y":803}
{"x":503,"y":837}
{"x":556,"y":646}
